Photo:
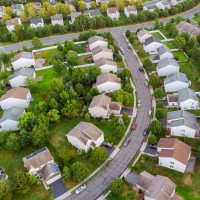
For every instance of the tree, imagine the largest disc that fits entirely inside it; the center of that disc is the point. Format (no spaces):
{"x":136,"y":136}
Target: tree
{"x":31,"y":83}
{"x":6,"y":17}
{"x":87,"y":117}
{"x":13,"y":142}
{"x":8,"y":10}
{"x":99,"y":155}
{"x":157,"y":128}
{"x":81,"y":5}
{"x":128,"y":88}
{"x":159,"y":113}
{"x":103,"y":7}
{"x":79,"y":171}
{"x":66,"y":155}
{"x":30,"y":10}
{"x":56,"y":86}
{"x":120,"y":4}
{"x":159,"y":93}
{"x":57,"y":66}
{"x":3,"y":75}
{"x":69,"y":45}
{"x":155,"y":80}
{"x":67,"y":174}
{"x":195,"y":55}
{"x":36,"y":42}
{"x":53,"y":115}
{"x":125,"y":74}
{"x":159,"y":104}
{"x":23,"y":16}
{"x":180,"y":41}
{"x":152,"y":139}
{"x":14,"y":37}
{"x":5,"y":189}
{"x":117,"y":186}
{"x":71,"y":109}
{"x":47,"y":10}
{"x":93,"y":5}
{"x":72,"y":57}
{"x":63,"y":9}
{"x":19,"y":31}
{"x":79,"y":89}
{"x":26,"y":121}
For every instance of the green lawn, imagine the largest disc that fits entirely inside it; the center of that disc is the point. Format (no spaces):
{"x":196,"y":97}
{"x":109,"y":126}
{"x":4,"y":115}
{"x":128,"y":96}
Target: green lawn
{"x":120,"y":64}
{"x":195,"y":112}
{"x":187,"y":184}
{"x":197,"y":18}
{"x":81,"y":60}
{"x":180,"y":55}
{"x":80,"y":48}
{"x":170,"y":44}
{"x":158,"y":35}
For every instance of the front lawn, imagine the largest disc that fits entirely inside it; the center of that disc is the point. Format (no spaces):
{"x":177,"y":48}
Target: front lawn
{"x":170,"y":44}
{"x":158,"y":35}
{"x":196,"y":18}
{"x":180,"y":55}
{"x":80,"y":48}
{"x":120,"y":64}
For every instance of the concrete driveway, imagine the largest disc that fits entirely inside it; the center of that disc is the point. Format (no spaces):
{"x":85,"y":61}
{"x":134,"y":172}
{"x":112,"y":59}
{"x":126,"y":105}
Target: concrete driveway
{"x":129,"y":111}
{"x":132,"y":178}
{"x":149,"y":150}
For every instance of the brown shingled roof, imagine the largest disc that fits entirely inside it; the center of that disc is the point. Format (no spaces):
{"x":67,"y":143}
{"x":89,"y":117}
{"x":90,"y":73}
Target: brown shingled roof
{"x":103,"y":61}
{"x":98,"y":49}
{"x":95,"y":39}
{"x":105,"y":77}
{"x":113,"y":10}
{"x":12,"y":21}
{"x":101,"y":101}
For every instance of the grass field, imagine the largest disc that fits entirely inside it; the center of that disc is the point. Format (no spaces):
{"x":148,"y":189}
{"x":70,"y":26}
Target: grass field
{"x":180,"y":55}
{"x":170,"y":44}
{"x":158,"y":35}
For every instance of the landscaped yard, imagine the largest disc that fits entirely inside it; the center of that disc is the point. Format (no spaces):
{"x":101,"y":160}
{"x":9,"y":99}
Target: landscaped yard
{"x":158,"y":35}
{"x":170,"y":44}
{"x":180,"y":55}
{"x":197,"y":18}
{"x":187,"y":184}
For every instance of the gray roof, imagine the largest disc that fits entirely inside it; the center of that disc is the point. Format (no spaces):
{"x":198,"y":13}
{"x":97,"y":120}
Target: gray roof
{"x":176,"y":77}
{"x":94,"y":12}
{"x":87,"y":1}
{"x":180,"y":114}
{"x":151,"y":4}
{"x":187,"y":122}
{"x":23,"y":54}
{"x":151,"y":40}
{"x":17,"y":6}
{"x":23,"y":72}
{"x":167,"y":61}
{"x":131,"y":8}
{"x":57,"y":17}
{"x":163,"y":49}
{"x":12,"y":113}
{"x":144,"y":180}
{"x":186,"y":94}
{"x":36,"y":21}
{"x":74,"y":14}
{"x":165,"y":2}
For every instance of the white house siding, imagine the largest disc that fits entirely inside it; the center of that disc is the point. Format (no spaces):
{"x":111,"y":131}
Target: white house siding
{"x":175,"y":86}
{"x":113,"y":15}
{"x":162,"y":6}
{"x":10,"y":28}
{"x":53,"y":179}
{"x":168,"y":70}
{"x":145,"y":8}
{"x":37,"y":25}
{"x":144,"y":37}
{"x":152,"y":47}
{"x":99,"y":141}
{"x":116,"y":112}
{"x":23,"y":62}
{"x":98,"y":112}
{"x":189,"y":104}
{"x":166,"y":55}
{"x":103,"y":54}
{"x":9,"y":125}
{"x":108,"y":68}
{"x":182,"y":131}
{"x":60,"y":22}
{"x":88,"y":6}
{"x":127,"y":13}
{"x":175,"y":165}
{"x":98,"y":43}
{"x":108,"y":87}
{"x":18,"y":81}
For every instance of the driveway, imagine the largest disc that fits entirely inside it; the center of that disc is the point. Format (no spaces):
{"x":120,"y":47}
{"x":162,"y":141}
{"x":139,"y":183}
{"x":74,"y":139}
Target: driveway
{"x":58,"y":188}
{"x":129,"y":111}
{"x":190,"y":165}
{"x":165,"y":102}
{"x":132,"y":178}
{"x":149,"y":150}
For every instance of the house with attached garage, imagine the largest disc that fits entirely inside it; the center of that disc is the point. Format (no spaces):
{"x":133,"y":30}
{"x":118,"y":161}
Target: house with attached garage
{"x":183,"y":124}
{"x":103,"y":106}
{"x":106,"y":65}
{"x":167,"y":66}
{"x":57,"y":19}
{"x":107,"y":82}
{"x":102,"y":52}
{"x":176,"y":82}
{"x":23,"y":59}
{"x":143,"y":35}
{"x":73,"y":16}
{"x":96,"y":41}
{"x":17,"y":8}
{"x":94,"y":13}
{"x":173,"y":154}
{"x":85,"y":136}
{"x":113,"y":13}
{"x":151,"y":44}
{"x":36,"y":22}
{"x":18,"y":78}
{"x":42,"y":165}
{"x":10,"y":24}
{"x":130,"y":10}
{"x":16,"y":97}
{"x":9,"y":120}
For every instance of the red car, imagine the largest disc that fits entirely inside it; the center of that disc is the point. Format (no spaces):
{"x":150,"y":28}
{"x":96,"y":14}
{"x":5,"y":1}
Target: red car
{"x":134,"y":126}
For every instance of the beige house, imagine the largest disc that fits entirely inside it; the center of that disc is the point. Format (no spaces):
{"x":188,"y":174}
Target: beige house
{"x":102,"y":52}
{"x":143,"y":35}
{"x":130,"y":10}
{"x":10,"y":24}
{"x":106,"y":65}
{"x":57,"y":19}
{"x":97,"y":41}
{"x":85,"y":136}
{"x":113,"y":13}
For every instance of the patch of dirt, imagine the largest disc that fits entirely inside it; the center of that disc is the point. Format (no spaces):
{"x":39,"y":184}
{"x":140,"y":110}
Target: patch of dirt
{"x":187,"y":180}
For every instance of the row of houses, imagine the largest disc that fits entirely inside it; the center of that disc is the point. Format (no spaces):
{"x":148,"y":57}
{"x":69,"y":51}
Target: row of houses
{"x":191,"y":29}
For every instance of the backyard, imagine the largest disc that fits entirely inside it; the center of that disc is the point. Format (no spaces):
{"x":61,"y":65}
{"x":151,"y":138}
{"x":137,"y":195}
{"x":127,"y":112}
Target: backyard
{"x":170,"y":44}
{"x":158,"y":35}
{"x":179,"y":55}
{"x":196,"y":18}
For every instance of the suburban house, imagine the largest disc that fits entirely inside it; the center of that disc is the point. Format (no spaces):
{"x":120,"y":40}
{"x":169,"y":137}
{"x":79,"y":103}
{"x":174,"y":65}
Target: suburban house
{"x":70,"y":3}
{"x":57,"y":19}
{"x":98,"y":2}
{"x":96,"y":41}
{"x":156,"y":187}
{"x":102,"y":52}
{"x":173,"y":154}
{"x":167,"y":66}
{"x":85,"y":136}
{"x":36,"y":22}
{"x":150,"y":6}
{"x":130,"y":10}
{"x":42,"y":165}
{"x":9,"y":120}
{"x":23,"y":59}
{"x":107,"y":82}
{"x":102,"y":106}
{"x":183,"y":124}
{"x":163,"y":4}
{"x":161,"y":53}
{"x":113,"y":13}
{"x":143,"y":35}
{"x":16,"y":97}
{"x":106,"y":65}
{"x":87,"y":4}
{"x":151,"y":44}
{"x":37,"y":5}
{"x":73,"y":16}
{"x":176,"y":82}
{"x":1,"y":11}
{"x":18,"y":78}
{"x":10,"y":24}
{"x":175,"y":2}
{"x":17,"y":8}
{"x":94,"y":13}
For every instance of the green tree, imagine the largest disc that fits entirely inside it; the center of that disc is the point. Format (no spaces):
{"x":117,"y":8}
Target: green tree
{"x":99,"y":155}
{"x":13,"y":142}
{"x":128,"y":33}
{"x":159,"y":93}
{"x":155,"y":80}
{"x":36,"y":42}
{"x":53,"y":115}
{"x":53,"y":104}
{"x":159,"y":104}
{"x":3,"y":75}
{"x":69,"y":45}
{"x":8,"y":10}
{"x":103,"y":7}
{"x":159,"y":113}
{"x":66,"y":155}
{"x":152,"y":139}
{"x":57,"y":66}
{"x":71,"y":109}
{"x":79,"y":171}
{"x":67,"y":174}
{"x":23,"y":16}
{"x":14,"y":37}
{"x":5,"y":17}
{"x":93,"y":5}
{"x":180,"y":41}
{"x":31,"y":83}
{"x":81,"y":5}
{"x":5,"y":189}
{"x":157,"y":128}
{"x":125,"y":74}
{"x":87,"y":117}
{"x":117,"y":186}
{"x":27,"y":120}
{"x":80,"y":89}
{"x":56,"y":86}
{"x":63,"y":9}
{"x":128,"y":88}
{"x":19,"y":31}
{"x":30,"y":10}
{"x":72,"y":57}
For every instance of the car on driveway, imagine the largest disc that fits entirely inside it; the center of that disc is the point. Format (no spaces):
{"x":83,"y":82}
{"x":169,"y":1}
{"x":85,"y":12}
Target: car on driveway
{"x":126,"y":142}
{"x":107,"y":144}
{"x":153,"y":146}
{"x":134,"y":126}
{"x":80,"y":189}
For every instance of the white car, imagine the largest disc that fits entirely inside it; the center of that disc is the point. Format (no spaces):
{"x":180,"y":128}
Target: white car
{"x":139,"y":103}
{"x":80,"y":189}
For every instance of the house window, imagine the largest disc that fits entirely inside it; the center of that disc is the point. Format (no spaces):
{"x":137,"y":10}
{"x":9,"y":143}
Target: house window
{"x":172,"y":163}
{"x":171,"y":166}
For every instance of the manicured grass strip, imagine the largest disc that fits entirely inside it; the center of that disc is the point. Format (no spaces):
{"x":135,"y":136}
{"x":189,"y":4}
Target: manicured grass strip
{"x":158,"y":35}
{"x":170,"y":44}
{"x":179,"y":55}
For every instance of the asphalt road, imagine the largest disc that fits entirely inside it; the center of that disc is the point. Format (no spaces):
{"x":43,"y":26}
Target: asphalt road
{"x":61,"y":38}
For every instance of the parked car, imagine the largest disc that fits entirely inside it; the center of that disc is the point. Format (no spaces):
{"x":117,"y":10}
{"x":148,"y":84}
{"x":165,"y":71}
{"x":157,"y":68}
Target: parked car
{"x":134,"y":126}
{"x":139,"y":103}
{"x":129,"y":47}
{"x":80,"y":189}
{"x":107,"y":144}
{"x":141,"y":69}
{"x":145,"y":131}
{"x":126,"y":142}
{"x":149,"y":112}
{"x":146,"y":84}
{"x":153,"y":146}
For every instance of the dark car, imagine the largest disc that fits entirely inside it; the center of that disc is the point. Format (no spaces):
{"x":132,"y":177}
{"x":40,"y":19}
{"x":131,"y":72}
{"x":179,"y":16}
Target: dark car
{"x":145,"y":131}
{"x":129,"y":47}
{"x":140,"y":69}
{"x":153,"y":146}
{"x":126,"y":142}
{"x":107,"y":144}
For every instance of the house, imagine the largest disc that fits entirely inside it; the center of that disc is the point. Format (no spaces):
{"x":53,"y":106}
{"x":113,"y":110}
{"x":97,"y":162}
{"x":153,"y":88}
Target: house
{"x":16,"y":97}
{"x":70,"y":3}
{"x":98,"y":2}
{"x":150,"y":6}
{"x":73,"y":16}
{"x":94,"y":13}
{"x":107,"y":82}
{"x":42,"y":165}
{"x":167,"y":67}
{"x":85,"y":136}
{"x":151,"y":44}
{"x":188,"y":100}
{"x":18,"y":78}
{"x":37,"y":5}
{"x":161,"y":53}
{"x":155,"y":187}
{"x":36,"y":22}
{"x":175,"y":2}
{"x":17,"y":8}
{"x":102,"y":52}
{"x":173,"y":154}
{"x":176,"y":82}
{"x":113,"y":13}
{"x":57,"y":19}
{"x":106,"y":65}
{"x":9,"y":120}
{"x":10,"y":24}
{"x":163,"y":4}
{"x":97,"y":41}
{"x":23,"y":59}
{"x":87,"y":4}
{"x":173,"y":100}
{"x":143,"y":35}
{"x":183,"y":124}
{"x":1,"y":11}
{"x":130,"y":10}
{"x":102,"y":106}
